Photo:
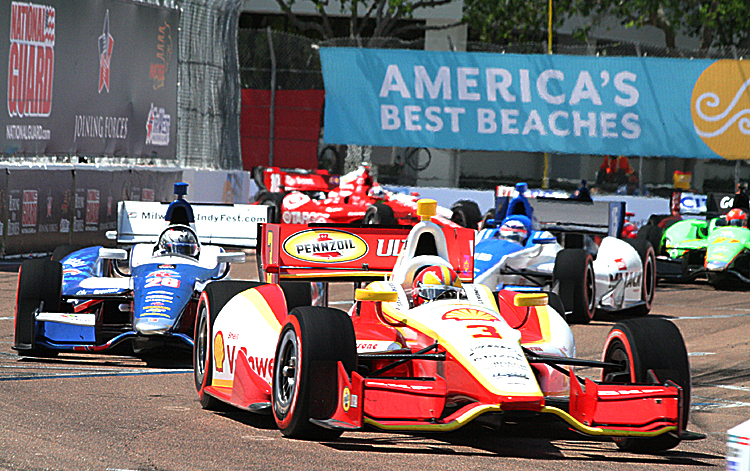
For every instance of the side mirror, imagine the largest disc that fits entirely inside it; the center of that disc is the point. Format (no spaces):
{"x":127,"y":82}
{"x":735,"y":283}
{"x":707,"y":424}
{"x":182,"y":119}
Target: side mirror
{"x":531,"y":299}
{"x":113,"y":254}
{"x":231,"y":257}
{"x":381,"y":296}
{"x":111,"y":235}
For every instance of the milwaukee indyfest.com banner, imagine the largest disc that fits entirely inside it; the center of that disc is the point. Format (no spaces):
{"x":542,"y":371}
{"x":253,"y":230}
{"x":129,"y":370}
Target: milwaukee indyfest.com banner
{"x":88,"y":77}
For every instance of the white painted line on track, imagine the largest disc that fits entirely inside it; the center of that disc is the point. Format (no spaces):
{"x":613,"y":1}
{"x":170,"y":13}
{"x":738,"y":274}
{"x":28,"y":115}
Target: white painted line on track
{"x":712,"y":403}
{"x":700,"y":354}
{"x":721,"y":316}
{"x":734,"y":388}
{"x":6,"y":318}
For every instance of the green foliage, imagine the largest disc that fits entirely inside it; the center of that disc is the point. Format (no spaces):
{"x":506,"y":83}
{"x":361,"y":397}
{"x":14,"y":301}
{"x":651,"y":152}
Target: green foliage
{"x":715,"y":23}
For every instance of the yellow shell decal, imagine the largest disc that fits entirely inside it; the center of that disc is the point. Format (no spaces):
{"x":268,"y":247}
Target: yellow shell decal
{"x":720,"y":105}
{"x":469,"y":314}
{"x":325,"y":246}
{"x":346,"y":399}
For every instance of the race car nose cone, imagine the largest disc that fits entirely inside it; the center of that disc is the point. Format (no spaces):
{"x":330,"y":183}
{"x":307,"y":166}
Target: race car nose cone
{"x":153,"y":325}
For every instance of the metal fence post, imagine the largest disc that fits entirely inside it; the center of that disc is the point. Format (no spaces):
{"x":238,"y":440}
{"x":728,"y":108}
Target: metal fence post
{"x":272,"y":107}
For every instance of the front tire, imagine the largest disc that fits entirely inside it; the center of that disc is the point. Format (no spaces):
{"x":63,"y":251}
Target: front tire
{"x":379,"y":214}
{"x":39,"y":287}
{"x":575,"y":283}
{"x":213,"y":299}
{"x":466,"y":213}
{"x":273,"y":201}
{"x":311,"y":343}
{"x":642,"y":345}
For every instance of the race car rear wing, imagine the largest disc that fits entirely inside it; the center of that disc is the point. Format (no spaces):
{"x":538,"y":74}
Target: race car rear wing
{"x":603,"y":218}
{"x":233,"y":225}
{"x":344,"y":252}
{"x":562,"y":215}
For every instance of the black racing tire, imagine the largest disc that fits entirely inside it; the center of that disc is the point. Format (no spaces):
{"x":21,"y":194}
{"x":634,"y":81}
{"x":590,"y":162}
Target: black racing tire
{"x":484,"y":223}
{"x":574,"y":281}
{"x":39,"y":285}
{"x":654,"y":235}
{"x":297,"y":293}
{"x":273,"y":201}
{"x":215,"y":296}
{"x":330,"y":159}
{"x":379,"y":214}
{"x":648,"y":344}
{"x":466,"y":213}
{"x":63,"y":251}
{"x":648,"y":280}
{"x":312,"y":342}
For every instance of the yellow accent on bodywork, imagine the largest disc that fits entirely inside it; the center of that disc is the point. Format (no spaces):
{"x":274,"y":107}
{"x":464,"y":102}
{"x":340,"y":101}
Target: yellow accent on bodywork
{"x":259,"y":302}
{"x":598,"y":431}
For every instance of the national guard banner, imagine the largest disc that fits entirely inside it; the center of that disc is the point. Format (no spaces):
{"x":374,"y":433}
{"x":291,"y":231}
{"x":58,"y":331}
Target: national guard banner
{"x":693,"y":108}
{"x":88,"y":78}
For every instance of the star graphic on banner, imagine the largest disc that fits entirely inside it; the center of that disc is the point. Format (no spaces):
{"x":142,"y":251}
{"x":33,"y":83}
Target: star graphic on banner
{"x":106,"y":43}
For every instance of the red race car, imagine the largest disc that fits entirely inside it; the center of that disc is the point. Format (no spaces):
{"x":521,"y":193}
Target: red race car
{"x":422,"y":348}
{"x":314,"y":196}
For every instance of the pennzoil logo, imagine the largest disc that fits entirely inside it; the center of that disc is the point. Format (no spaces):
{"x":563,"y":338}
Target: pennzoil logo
{"x":325,"y":246}
{"x":468,"y":314}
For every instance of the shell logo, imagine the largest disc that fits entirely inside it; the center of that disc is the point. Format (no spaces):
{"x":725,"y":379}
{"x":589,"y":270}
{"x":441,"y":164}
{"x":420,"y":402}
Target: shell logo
{"x":346,"y":399}
{"x":469,"y":314}
{"x":325,"y":246}
{"x":720,"y":108}
{"x":219,"y":352}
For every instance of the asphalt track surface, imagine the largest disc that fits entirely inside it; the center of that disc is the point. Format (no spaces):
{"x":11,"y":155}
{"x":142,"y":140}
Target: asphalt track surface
{"x":106,"y":412}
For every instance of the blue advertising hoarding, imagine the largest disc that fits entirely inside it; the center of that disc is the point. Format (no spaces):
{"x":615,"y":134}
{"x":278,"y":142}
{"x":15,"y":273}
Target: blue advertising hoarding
{"x":537,"y":103}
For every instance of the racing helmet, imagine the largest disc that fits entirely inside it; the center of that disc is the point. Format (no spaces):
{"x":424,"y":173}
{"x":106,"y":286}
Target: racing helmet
{"x":513,"y":230}
{"x":435,"y":282}
{"x":737,"y":217}
{"x":179,"y":240}
{"x":377,"y":192}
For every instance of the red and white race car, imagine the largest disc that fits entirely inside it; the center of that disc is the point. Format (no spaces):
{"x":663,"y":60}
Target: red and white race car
{"x":419,"y":353}
{"x":314,"y":196}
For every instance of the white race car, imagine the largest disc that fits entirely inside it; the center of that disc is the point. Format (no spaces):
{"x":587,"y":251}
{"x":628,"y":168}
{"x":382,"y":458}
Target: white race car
{"x":572,"y":252}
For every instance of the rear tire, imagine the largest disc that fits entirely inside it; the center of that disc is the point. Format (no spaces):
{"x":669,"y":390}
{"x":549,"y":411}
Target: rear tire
{"x":640,"y":345}
{"x":39,"y":285}
{"x":648,"y":280}
{"x":379,"y":214}
{"x":484,"y":223}
{"x":305,"y":372}
{"x":217,"y":294}
{"x":575,"y":283}
{"x":466,"y":213}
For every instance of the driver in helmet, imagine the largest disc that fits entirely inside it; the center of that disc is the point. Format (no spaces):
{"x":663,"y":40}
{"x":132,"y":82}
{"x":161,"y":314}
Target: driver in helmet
{"x":515,"y":229}
{"x":737,"y":217}
{"x":178,"y":240}
{"x":436,"y":282}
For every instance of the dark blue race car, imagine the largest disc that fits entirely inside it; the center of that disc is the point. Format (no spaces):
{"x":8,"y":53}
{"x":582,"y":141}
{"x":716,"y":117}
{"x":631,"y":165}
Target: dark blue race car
{"x":85,"y":300}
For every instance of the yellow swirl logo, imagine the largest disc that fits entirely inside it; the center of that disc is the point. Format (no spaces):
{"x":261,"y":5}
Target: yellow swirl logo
{"x":720,"y":108}
{"x":325,"y":246}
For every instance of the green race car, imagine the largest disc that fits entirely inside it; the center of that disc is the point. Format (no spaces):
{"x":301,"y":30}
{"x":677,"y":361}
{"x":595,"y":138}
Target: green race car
{"x":717,"y":249}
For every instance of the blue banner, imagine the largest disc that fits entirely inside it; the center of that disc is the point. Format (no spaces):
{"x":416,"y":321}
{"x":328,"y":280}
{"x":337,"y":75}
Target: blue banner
{"x":637,"y":106}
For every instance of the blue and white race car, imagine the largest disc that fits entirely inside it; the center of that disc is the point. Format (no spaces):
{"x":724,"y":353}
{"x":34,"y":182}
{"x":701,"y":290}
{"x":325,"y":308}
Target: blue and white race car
{"x":84,"y":300}
{"x":569,"y":248}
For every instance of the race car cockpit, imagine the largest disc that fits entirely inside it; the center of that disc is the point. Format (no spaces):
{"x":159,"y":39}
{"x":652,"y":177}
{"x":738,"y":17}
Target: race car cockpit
{"x":178,"y":240}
